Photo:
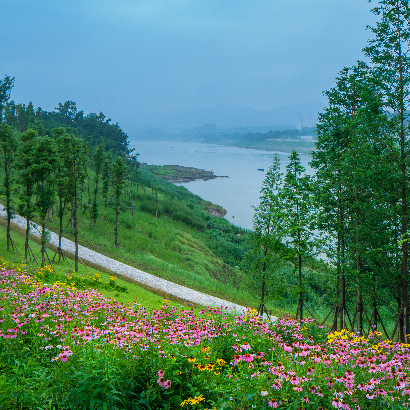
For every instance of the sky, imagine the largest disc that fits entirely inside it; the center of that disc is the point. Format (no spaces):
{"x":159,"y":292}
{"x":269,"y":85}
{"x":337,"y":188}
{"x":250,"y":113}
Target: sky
{"x":131,"y":58}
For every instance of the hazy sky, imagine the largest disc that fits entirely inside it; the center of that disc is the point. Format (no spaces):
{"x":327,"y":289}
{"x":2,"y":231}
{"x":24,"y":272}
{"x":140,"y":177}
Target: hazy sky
{"x":124,"y":57}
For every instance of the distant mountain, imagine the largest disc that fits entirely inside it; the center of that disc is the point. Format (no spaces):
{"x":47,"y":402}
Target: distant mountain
{"x":226,"y":117}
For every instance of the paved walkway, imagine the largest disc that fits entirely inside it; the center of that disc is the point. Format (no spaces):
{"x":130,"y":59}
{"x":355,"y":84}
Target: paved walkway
{"x":126,"y":271}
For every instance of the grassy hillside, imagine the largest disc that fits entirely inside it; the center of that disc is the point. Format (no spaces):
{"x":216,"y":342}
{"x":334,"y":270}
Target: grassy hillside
{"x":169,"y":232}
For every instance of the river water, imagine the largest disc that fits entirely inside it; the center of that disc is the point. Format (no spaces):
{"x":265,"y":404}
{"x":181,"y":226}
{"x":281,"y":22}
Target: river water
{"x":238,"y":193}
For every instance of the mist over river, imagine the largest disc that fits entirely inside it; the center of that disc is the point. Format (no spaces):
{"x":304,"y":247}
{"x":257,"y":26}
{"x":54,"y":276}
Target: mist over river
{"x":238,"y":193}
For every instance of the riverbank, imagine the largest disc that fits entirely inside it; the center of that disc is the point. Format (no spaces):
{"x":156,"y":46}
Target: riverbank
{"x":181,"y":174}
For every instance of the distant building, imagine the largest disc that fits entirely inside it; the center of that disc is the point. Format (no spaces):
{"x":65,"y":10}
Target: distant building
{"x":300,"y":122}
{"x":309,"y":122}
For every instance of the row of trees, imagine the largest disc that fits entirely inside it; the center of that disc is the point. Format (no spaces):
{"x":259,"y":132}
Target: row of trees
{"x":41,"y":172}
{"x":360,"y":201}
{"x":284,"y":223}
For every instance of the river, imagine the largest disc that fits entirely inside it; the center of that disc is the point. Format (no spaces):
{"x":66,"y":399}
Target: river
{"x":238,"y":193}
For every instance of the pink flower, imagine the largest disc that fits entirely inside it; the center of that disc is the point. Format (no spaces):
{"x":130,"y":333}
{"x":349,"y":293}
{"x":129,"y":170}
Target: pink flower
{"x":264,"y":393}
{"x":287,"y":348}
{"x":336,"y":403}
{"x":294,"y":380}
{"x":167,"y":384}
{"x":273,"y":403}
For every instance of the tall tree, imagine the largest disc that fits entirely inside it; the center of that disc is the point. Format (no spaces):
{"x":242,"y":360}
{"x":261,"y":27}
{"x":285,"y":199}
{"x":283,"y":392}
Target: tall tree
{"x":389,"y":52}
{"x":61,"y":182}
{"x":8,"y":145}
{"x":24,"y":163}
{"x":133,"y":166}
{"x":10,"y":113}
{"x":106,"y":178}
{"x":266,"y":224}
{"x":44,"y":164}
{"x":75,"y":159}
{"x":98,"y":165}
{"x":118,"y":172}
{"x":351,"y":180}
{"x":296,"y":218}
{"x":6,"y":84}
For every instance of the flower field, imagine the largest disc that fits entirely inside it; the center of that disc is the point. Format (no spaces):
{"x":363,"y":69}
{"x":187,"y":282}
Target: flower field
{"x":63,"y":347}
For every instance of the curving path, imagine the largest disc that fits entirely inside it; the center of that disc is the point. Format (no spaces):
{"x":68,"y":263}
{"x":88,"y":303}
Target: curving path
{"x":129,"y":272}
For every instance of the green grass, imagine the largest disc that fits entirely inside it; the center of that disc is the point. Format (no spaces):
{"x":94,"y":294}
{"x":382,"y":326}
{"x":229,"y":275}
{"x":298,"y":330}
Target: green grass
{"x":125,"y":293}
{"x":174,"y":246}
{"x":184,"y":244}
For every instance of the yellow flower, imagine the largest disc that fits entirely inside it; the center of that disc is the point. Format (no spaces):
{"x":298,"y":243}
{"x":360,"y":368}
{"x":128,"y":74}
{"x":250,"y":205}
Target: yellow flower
{"x":221,"y":362}
{"x":210,"y":366}
{"x":205,"y":349}
{"x":192,"y":400}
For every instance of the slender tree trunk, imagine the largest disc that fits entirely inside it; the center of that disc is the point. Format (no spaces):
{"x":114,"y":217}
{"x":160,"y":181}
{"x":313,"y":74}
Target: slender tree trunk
{"x":43,"y":240}
{"x":8,"y":200}
{"x":156,"y":202}
{"x":89,"y":195}
{"x":300,"y":286}
{"x":75,"y":230}
{"x":116,"y":228}
{"x":404,"y":287}
{"x":60,"y":232}
{"x":263,"y":281}
{"x":26,"y":244}
{"x":72,"y":216}
{"x":95,"y":198}
{"x":343,"y":293}
{"x":359,"y":306}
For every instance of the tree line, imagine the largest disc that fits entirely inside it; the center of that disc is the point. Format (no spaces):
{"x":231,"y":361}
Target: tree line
{"x":355,"y":208}
{"x":45,"y":170}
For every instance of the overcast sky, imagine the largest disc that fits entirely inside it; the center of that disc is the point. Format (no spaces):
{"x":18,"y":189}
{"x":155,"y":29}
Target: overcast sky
{"x":124,"y":57}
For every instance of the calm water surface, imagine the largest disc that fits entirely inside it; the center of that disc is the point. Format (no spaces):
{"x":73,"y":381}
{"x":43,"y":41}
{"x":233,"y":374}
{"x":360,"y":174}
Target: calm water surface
{"x":238,"y":193}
